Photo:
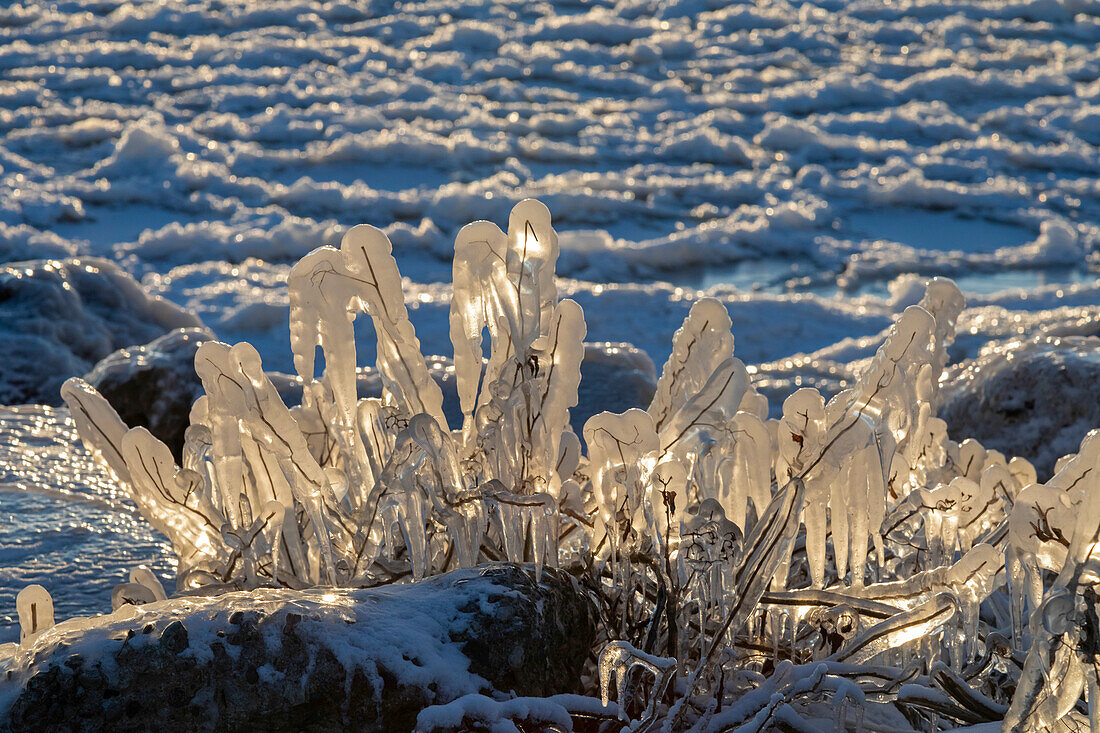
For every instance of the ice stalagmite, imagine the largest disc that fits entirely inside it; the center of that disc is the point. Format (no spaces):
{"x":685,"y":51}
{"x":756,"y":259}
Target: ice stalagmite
{"x":35,"y":607}
{"x":619,"y":445}
{"x":701,"y":344}
{"x":799,"y":438}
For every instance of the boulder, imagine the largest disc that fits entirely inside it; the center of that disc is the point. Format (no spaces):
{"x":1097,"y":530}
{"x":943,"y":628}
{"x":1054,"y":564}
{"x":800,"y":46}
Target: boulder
{"x":59,"y":317}
{"x":1034,"y":399}
{"x":154,"y":385}
{"x":614,"y":377}
{"x":313,"y":660}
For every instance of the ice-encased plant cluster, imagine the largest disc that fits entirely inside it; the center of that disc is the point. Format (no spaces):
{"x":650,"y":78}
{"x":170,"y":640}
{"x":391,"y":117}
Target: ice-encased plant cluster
{"x":846,"y":553}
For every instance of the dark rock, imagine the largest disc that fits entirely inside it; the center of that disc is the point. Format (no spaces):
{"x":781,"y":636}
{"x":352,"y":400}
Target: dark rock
{"x":315,"y":660}
{"x":1033,"y":399}
{"x":59,"y":317}
{"x":614,"y":377}
{"x":154,"y":385}
{"x":174,"y":638}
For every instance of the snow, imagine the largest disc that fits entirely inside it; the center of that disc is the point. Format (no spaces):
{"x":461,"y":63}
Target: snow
{"x":406,"y":632}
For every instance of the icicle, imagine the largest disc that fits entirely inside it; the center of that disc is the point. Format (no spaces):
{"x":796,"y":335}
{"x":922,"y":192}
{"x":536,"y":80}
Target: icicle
{"x":749,"y":468}
{"x":618,"y":659}
{"x":559,"y":371}
{"x":765,"y":550}
{"x":619,"y":445}
{"x":478,"y":248}
{"x":521,"y":516}
{"x":404,"y":522}
{"x":709,"y":545}
{"x":368,"y":255}
{"x":715,"y":403}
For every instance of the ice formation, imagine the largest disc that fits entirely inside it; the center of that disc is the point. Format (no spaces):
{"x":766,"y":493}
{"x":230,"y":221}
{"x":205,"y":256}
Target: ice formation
{"x":849,"y":545}
{"x":35,"y":608}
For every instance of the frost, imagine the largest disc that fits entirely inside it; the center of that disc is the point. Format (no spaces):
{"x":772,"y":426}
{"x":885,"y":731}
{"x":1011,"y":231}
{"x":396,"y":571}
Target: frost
{"x":841,"y":539}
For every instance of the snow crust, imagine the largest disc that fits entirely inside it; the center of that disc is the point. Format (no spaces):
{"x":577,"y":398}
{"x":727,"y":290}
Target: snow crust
{"x":405,"y":630}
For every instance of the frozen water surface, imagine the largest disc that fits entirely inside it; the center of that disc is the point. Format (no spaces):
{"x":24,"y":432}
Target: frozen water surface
{"x":938,"y":230}
{"x":66,"y":524}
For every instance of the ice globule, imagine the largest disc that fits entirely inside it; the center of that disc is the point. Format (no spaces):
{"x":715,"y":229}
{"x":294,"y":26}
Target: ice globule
{"x":35,"y":608}
{"x":142,"y":575}
{"x":133,"y":594}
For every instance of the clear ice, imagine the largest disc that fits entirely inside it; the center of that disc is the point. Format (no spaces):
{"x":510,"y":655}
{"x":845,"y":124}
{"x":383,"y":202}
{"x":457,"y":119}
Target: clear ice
{"x":843,"y":533}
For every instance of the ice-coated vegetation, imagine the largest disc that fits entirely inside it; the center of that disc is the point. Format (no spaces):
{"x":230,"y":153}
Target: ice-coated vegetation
{"x":848,"y":553}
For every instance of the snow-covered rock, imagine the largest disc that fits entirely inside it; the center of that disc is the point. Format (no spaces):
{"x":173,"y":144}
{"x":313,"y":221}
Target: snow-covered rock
{"x":1034,"y":398}
{"x":154,"y":385}
{"x":320,"y":659}
{"x":59,"y":317}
